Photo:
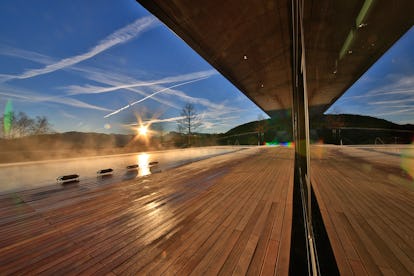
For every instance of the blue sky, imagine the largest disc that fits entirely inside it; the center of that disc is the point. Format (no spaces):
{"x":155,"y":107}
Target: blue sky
{"x":386,"y":90}
{"x":97,"y":65}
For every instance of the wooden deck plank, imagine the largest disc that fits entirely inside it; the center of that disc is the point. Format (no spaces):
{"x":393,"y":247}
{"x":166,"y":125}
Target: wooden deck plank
{"x":150,"y":254}
{"x":269,"y":264}
{"x":368,"y":210}
{"x":240,"y":207}
{"x":257,"y":261}
{"x":283,"y":252}
{"x":203,"y":218}
{"x":219,"y":253}
{"x":231,"y":206}
{"x":338,"y":237}
{"x":199,"y":221}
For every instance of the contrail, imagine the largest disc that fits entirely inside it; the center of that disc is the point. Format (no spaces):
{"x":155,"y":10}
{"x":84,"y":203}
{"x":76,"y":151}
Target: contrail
{"x":75,"y":90}
{"x":120,"y":36}
{"x":32,"y":97}
{"x":151,"y":95}
{"x":116,"y":81}
{"x":153,"y":121}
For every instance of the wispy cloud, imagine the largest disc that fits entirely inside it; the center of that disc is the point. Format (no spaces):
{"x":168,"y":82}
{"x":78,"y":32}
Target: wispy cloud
{"x":213,"y":115}
{"x":110,"y":78}
{"x":205,"y":124}
{"x":118,"y":37}
{"x":67,"y":115}
{"x":107,"y":77}
{"x":379,"y":93}
{"x":154,"y":121}
{"x":150,"y":96}
{"x":391,"y":102}
{"x":91,"y":89}
{"x":25,"y":54}
{"x":32,"y":97}
{"x":218,"y":119}
{"x":403,"y":85}
{"x":116,"y":81}
{"x":400,"y":111}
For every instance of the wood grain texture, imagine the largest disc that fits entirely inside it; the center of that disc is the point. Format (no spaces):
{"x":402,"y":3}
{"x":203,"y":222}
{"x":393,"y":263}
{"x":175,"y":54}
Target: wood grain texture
{"x":367,"y":204}
{"x":227,"y":214}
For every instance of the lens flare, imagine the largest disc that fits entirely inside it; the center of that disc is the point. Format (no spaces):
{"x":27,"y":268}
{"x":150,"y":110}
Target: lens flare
{"x":407,"y":160}
{"x":287,"y":144}
{"x":282,"y":144}
{"x":143,"y":130}
{"x":7,"y":118}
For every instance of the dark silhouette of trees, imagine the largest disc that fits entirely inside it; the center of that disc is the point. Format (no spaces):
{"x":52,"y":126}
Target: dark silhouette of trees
{"x":20,"y":125}
{"x":189,"y":122}
{"x":42,"y":126}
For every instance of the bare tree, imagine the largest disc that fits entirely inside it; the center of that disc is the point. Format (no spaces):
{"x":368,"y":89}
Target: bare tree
{"x":23,"y":125}
{"x":42,"y":126}
{"x":189,"y":122}
{"x":20,"y":125}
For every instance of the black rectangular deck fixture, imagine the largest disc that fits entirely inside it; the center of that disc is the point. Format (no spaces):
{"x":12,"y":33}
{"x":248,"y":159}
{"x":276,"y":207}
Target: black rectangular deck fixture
{"x":132,"y":167}
{"x":67,"y":178}
{"x":104,"y":172}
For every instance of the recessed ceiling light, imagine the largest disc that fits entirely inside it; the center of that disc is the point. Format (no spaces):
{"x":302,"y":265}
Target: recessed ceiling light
{"x":262,"y":85}
{"x":245,"y":57}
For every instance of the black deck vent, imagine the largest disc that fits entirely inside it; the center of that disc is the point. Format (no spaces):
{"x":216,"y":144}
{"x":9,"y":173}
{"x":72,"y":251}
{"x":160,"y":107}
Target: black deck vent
{"x":132,"y":167}
{"x":104,"y":172}
{"x":68,"y":178}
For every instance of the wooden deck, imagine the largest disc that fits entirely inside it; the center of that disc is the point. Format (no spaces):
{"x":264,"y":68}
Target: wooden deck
{"x":367,"y":203}
{"x":228,"y":214}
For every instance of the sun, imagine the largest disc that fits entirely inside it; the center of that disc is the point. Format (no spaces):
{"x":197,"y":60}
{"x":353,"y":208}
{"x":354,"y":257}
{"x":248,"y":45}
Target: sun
{"x":143,"y":130}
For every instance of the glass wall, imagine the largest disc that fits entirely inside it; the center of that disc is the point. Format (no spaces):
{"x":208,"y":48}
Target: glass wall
{"x":362,"y":151}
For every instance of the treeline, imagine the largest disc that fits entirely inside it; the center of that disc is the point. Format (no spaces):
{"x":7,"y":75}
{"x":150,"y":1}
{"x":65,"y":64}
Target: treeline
{"x":329,"y":129}
{"x":20,"y":125}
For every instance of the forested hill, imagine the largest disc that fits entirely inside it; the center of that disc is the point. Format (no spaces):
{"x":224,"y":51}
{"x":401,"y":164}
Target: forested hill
{"x":355,"y":129}
{"x":356,"y":121}
{"x":324,"y":121}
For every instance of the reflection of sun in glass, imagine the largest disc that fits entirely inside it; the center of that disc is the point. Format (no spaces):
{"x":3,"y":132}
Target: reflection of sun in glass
{"x":143,"y":163}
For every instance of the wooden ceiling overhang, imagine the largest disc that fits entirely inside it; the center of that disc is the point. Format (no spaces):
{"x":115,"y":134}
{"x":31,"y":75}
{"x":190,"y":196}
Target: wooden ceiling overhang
{"x":250,"y":42}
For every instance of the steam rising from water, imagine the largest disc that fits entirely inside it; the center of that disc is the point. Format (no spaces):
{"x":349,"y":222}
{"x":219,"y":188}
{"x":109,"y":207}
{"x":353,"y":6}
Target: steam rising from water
{"x":27,"y":175}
